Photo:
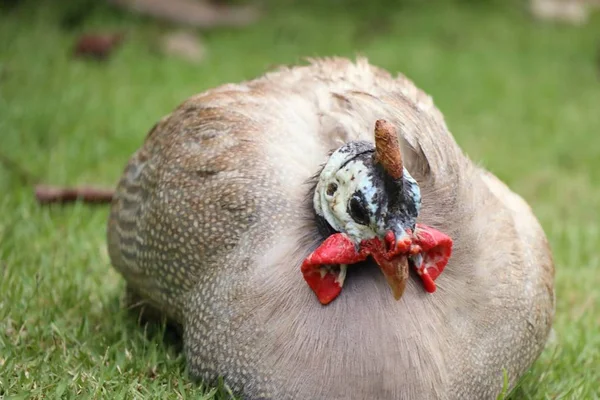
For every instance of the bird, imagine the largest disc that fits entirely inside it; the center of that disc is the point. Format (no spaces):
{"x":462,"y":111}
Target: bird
{"x":317,"y":233}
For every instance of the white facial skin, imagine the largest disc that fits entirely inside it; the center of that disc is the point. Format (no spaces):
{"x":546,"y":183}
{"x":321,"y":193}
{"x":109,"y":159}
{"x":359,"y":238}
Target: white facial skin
{"x":334,"y":207}
{"x":337,"y":185}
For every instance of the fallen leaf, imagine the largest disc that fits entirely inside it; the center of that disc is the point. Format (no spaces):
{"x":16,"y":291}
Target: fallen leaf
{"x":98,"y":46}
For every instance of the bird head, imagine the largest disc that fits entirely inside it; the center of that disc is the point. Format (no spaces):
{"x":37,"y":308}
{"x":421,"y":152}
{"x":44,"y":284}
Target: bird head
{"x":364,"y":190}
{"x":367,"y":196}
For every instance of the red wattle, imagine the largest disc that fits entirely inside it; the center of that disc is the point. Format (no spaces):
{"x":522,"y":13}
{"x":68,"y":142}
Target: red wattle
{"x":434,"y":246}
{"x":436,"y":249}
{"x":336,"y":249}
{"x":326,"y":288}
{"x":428,"y":283}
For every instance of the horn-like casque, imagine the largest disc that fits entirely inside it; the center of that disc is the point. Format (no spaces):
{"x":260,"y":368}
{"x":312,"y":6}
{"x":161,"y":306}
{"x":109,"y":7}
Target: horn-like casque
{"x":387,"y":148}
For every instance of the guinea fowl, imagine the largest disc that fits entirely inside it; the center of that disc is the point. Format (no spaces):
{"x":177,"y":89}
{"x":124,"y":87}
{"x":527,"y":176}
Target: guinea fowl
{"x":248,"y":200}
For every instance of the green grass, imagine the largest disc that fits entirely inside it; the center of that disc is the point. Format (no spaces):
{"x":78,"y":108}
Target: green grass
{"x":521,"y":97}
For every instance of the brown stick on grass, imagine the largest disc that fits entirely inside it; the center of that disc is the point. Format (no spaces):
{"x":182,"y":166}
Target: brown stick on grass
{"x":46,"y":194}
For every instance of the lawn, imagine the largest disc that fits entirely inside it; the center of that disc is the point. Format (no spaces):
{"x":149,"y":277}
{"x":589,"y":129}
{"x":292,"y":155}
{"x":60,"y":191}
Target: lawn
{"x":521,"y":97}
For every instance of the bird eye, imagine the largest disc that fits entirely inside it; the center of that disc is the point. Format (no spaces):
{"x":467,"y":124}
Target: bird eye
{"x":331,"y":189}
{"x":358,"y":211}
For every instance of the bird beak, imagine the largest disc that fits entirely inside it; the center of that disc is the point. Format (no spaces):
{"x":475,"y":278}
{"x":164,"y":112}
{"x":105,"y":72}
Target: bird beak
{"x":395,"y":271}
{"x":427,"y":249}
{"x":391,"y":257}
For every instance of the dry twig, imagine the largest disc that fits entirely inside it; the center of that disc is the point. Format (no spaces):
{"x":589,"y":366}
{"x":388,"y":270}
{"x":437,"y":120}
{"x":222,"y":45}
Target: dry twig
{"x":46,"y":194}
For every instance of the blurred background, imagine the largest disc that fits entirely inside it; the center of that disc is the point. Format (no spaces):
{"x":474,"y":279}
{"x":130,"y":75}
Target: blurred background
{"x":82,"y":82}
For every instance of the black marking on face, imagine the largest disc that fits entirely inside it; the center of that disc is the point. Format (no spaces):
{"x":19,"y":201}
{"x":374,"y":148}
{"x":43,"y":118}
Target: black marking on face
{"x":358,"y":210}
{"x":409,"y":204}
{"x":402,"y":205}
{"x":376,"y":197}
{"x":357,"y":147}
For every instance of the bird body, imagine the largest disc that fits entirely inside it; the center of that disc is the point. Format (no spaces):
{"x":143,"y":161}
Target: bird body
{"x":214,"y":215}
